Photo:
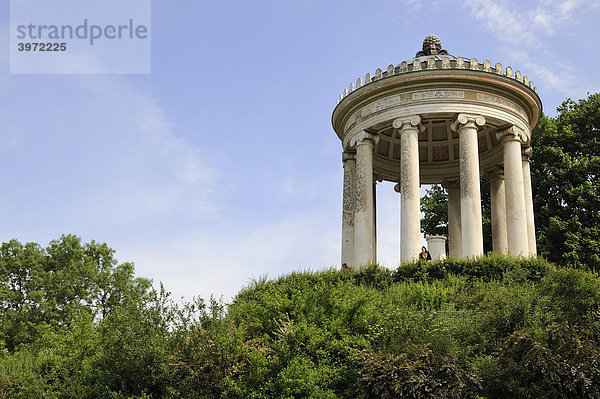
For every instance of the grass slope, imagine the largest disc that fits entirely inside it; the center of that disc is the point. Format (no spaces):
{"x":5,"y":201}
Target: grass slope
{"x":494,"y":327}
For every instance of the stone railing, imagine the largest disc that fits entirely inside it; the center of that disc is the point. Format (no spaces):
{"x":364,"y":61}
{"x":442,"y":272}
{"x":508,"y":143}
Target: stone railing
{"x":437,"y":62}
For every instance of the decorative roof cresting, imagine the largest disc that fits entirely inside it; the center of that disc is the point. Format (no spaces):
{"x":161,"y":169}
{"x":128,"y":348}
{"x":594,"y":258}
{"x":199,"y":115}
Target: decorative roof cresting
{"x":432,"y":45}
{"x":434,"y":57}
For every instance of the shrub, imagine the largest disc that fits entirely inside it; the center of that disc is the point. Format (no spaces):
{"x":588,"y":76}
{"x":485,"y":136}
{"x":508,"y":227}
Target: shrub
{"x":418,"y":374}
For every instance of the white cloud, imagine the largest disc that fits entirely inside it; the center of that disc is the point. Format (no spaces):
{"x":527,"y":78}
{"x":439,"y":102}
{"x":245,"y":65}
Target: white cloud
{"x":414,"y":4}
{"x":525,"y":32}
{"x":143,"y":169}
{"x":95,"y":153}
{"x":514,"y":24}
{"x":507,"y":24}
{"x":551,"y":15}
{"x":218,"y":262}
{"x":557,"y":75}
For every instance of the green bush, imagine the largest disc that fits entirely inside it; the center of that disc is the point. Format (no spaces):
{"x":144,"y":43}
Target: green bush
{"x":490,"y":327}
{"x":418,"y":374}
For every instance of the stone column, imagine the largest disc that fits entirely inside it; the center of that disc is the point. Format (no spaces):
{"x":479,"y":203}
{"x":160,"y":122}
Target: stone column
{"x":349,"y":162}
{"x":516,"y":217}
{"x":374,"y":218}
{"x":364,"y":221}
{"x":454,"y":223}
{"x":410,"y":223}
{"x":470,"y":193}
{"x":529,"y":202}
{"x":498,"y":203}
{"x":397,"y":189}
{"x":436,"y":245}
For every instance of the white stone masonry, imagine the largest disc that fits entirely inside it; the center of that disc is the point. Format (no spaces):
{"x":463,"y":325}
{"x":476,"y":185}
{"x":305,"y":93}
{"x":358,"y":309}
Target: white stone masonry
{"x":410,"y":224}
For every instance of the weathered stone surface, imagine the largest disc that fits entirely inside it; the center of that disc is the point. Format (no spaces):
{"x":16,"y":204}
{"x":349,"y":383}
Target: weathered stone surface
{"x":348,"y":213}
{"x":410,"y":224}
{"x":436,"y":245}
{"x":486,"y":66}
{"x":454,"y":219}
{"x":417,"y":65}
{"x":526,"y":155}
{"x":432,"y":45}
{"x":473,"y":64}
{"x":364,"y":217}
{"x":445,"y":63}
{"x":516,"y":219}
{"x":449,"y":100}
{"x":498,"y":205}
{"x":509,"y":72}
{"x":518,"y":76}
{"x":470,"y":195}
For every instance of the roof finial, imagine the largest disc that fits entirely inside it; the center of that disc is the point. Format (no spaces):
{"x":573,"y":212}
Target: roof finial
{"x":432,"y":45}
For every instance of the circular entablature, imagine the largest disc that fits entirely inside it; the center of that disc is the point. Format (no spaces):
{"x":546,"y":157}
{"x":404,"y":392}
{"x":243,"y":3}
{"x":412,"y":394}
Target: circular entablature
{"x":437,"y":97}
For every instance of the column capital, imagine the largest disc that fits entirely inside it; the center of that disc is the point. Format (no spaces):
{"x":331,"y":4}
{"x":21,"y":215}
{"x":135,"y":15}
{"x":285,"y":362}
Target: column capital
{"x":364,"y":138}
{"x":451,"y":184}
{"x":512,"y":133}
{"x":348,"y":155}
{"x":466,"y":120}
{"x":526,"y":153}
{"x":496,"y":173}
{"x":408,"y":122}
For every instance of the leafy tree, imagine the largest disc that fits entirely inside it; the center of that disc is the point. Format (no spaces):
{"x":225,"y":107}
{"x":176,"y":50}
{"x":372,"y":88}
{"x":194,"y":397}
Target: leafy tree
{"x":434,"y":206}
{"x":566,"y":183}
{"x":558,"y":365}
{"x":492,"y":327}
{"x":74,"y":323}
{"x":416,"y":375}
{"x":58,"y":285}
{"x":21,"y":292}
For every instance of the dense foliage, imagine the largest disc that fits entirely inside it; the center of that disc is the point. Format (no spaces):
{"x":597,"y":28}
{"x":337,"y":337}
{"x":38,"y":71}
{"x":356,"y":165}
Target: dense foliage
{"x":566,"y":183}
{"x":565,"y":174}
{"x":495,"y":327}
{"x":434,"y":206}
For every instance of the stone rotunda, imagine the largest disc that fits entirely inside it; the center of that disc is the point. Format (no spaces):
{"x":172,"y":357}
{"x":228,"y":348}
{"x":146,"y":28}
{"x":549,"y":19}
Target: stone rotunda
{"x":446,"y":120}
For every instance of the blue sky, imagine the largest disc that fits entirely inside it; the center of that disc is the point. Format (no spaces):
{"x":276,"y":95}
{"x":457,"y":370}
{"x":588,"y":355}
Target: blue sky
{"x":221,"y":165}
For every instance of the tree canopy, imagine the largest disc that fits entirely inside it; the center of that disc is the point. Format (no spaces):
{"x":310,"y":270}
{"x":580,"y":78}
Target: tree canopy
{"x":58,"y":285}
{"x":566,"y":183}
{"x":76,"y":324}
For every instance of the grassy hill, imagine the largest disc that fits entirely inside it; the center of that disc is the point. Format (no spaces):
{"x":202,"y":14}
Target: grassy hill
{"x":495,"y":327}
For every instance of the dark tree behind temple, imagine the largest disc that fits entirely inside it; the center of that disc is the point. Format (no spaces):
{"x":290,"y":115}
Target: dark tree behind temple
{"x":566,"y":184}
{"x":434,"y":205}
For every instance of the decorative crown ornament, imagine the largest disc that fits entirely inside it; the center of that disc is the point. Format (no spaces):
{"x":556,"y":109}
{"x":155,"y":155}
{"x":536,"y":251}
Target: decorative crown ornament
{"x":432,"y":45}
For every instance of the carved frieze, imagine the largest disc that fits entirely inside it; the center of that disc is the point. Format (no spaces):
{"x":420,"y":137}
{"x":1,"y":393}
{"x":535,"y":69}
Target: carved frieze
{"x":397,"y":100}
